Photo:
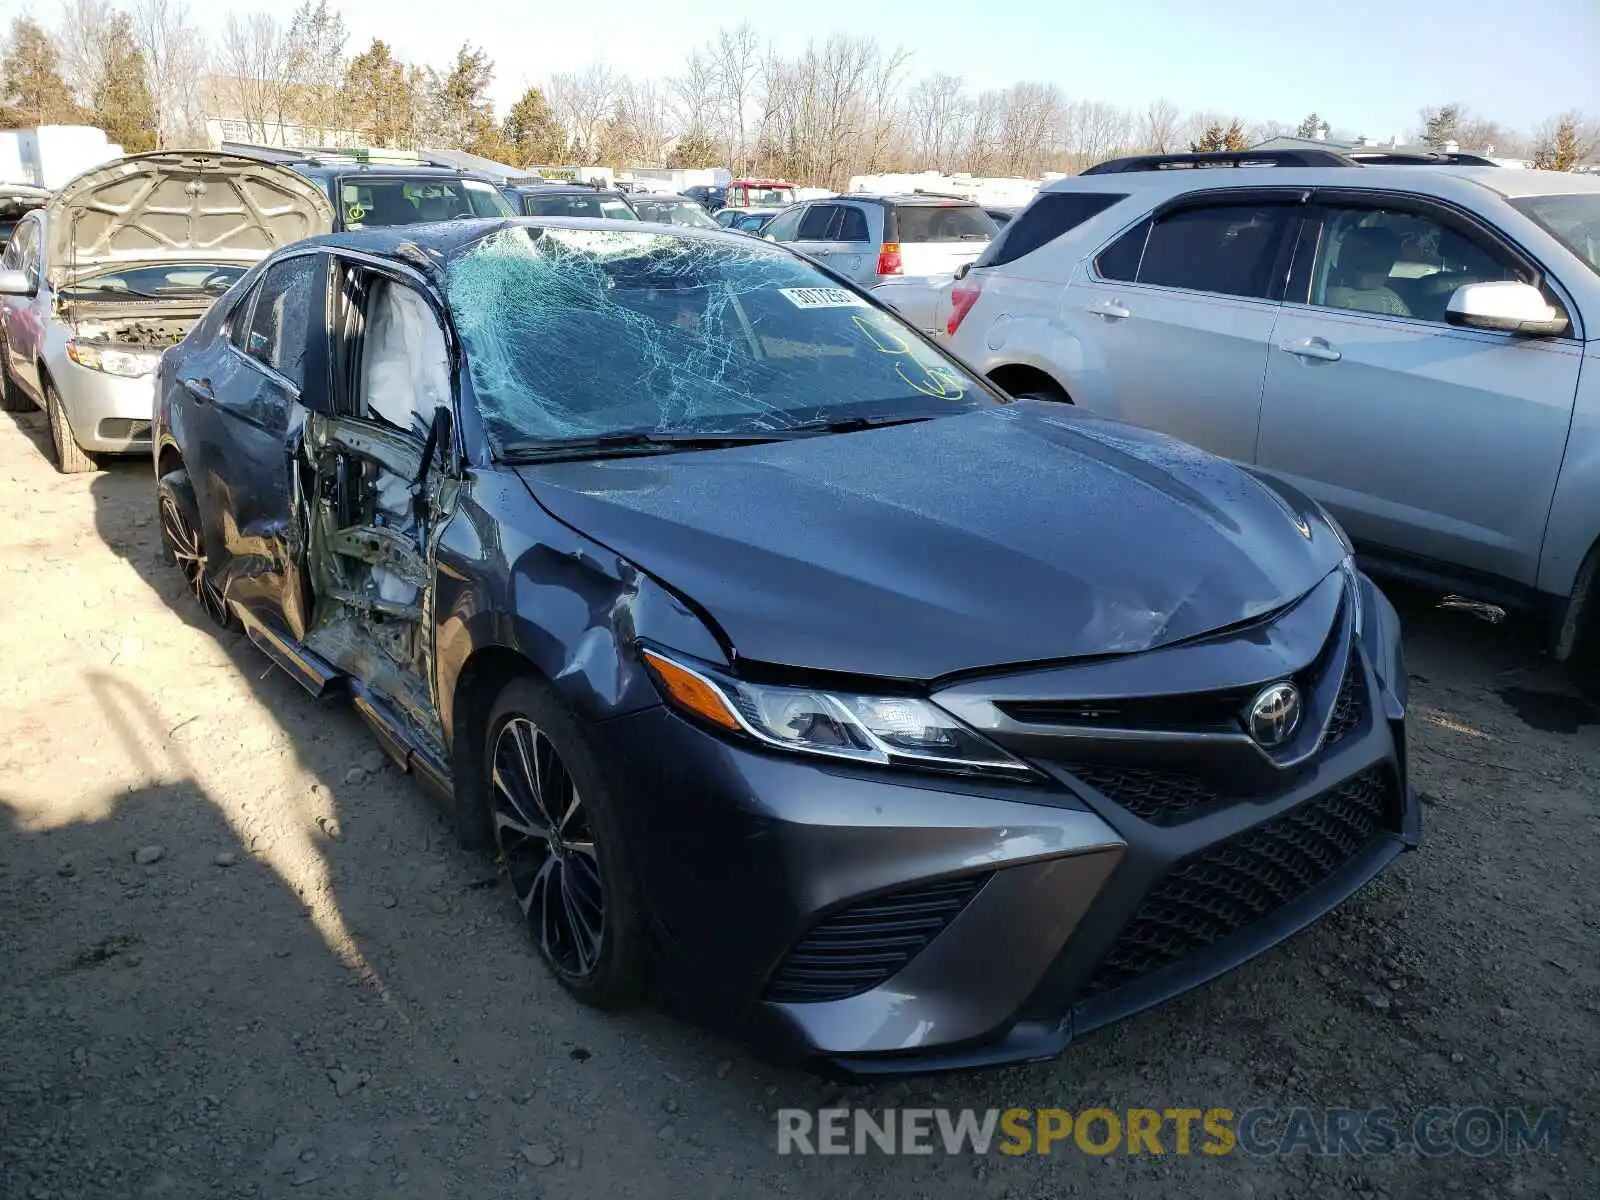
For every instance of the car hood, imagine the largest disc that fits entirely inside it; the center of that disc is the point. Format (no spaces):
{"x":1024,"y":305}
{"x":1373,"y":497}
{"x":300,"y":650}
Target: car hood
{"x":1014,"y":534}
{"x":179,"y":206}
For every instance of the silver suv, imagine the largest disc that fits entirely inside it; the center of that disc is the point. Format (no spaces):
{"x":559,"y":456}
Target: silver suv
{"x":1416,"y":344}
{"x":870,"y":238}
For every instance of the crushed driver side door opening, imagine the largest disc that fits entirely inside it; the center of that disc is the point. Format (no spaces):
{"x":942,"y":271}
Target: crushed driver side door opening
{"x":376,"y":494}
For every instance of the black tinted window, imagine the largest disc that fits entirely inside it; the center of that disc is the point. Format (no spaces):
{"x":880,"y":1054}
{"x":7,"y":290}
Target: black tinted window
{"x":943,"y":223}
{"x":814,"y":225}
{"x":1229,"y":249}
{"x":1120,"y":260}
{"x":281,"y":324}
{"x":1046,"y":219}
{"x":853,"y":226}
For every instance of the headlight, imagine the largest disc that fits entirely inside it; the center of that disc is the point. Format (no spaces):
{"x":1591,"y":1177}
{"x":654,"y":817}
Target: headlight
{"x":130,"y":364}
{"x":886,"y":730}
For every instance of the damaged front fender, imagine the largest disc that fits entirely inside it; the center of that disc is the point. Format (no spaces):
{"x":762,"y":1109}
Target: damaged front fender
{"x":510,"y":577}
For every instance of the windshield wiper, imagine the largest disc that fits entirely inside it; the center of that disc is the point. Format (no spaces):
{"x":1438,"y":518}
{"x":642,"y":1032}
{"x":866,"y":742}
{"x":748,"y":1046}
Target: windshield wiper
{"x":854,"y":424}
{"x":609,"y":445}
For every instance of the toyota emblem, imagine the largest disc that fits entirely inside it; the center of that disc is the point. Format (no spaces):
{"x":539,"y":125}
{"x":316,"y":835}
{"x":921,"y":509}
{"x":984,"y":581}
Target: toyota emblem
{"x":1275,"y":714}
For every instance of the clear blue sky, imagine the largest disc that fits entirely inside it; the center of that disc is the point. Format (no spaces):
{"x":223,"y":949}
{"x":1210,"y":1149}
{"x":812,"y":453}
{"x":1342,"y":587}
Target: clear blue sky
{"x":1366,"y":66}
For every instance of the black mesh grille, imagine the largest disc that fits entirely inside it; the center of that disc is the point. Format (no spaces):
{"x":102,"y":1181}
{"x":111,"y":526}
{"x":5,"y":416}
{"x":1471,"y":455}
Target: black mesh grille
{"x":1247,"y":877}
{"x":1160,"y":797}
{"x":1350,"y":705}
{"x":857,"y":948}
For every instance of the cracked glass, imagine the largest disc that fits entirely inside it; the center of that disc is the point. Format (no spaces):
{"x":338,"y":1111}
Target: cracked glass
{"x":575,"y":333}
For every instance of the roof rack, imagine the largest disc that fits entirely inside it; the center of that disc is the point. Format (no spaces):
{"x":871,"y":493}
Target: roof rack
{"x":1409,"y":158}
{"x":1222,"y":158}
{"x":1356,"y":157}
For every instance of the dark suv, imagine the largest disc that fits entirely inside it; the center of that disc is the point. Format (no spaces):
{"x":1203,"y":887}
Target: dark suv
{"x":571,"y":200}
{"x":367,"y":195}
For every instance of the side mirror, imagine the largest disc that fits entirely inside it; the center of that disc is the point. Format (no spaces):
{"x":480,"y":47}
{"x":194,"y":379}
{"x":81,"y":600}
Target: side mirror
{"x":17,"y":283}
{"x":1506,"y":307}
{"x":961,"y":271}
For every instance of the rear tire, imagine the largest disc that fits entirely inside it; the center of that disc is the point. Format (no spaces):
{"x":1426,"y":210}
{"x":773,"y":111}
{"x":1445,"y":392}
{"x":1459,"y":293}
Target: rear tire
{"x":185,"y":545}
{"x":564,"y":843}
{"x":71,"y":459}
{"x":12,"y":398}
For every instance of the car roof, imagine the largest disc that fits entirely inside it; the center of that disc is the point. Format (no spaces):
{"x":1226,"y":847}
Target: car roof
{"x":332,"y":170}
{"x":563,"y":189}
{"x":1451,"y":182}
{"x":659,"y":196}
{"x":900,"y":198}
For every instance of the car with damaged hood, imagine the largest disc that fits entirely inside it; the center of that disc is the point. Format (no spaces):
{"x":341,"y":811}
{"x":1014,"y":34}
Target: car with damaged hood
{"x":117,"y":266}
{"x":788,"y":669}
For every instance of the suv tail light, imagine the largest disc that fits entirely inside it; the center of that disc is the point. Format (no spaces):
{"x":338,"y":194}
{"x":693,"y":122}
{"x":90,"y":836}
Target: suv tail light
{"x":889,"y":259}
{"x":963,"y":295}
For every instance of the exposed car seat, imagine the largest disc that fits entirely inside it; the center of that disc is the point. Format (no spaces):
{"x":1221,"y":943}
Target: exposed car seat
{"x":1359,"y":279}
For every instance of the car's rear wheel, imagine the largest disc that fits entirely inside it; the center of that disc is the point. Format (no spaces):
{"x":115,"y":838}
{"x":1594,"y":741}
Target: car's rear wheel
{"x":12,"y":398}
{"x":559,"y":829}
{"x":71,"y":458}
{"x":180,"y":535}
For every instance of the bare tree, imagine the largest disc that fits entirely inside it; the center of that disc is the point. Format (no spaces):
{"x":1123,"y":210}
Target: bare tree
{"x":694,"y":93}
{"x":175,"y":56}
{"x":315,"y":66}
{"x":938,"y":115}
{"x":640,"y":126}
{"x":584,"y":101}
{"x":255,"y":67}
{"x":85,"y":46}
{"x":1158,"y":127}
{"x":736,"y":57}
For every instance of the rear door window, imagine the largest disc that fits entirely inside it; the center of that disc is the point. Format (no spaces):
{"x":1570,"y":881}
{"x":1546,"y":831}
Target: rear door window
{"x":943,"y":223}
{"x":852,"y":225}
{"x":815,"y":224}
{"x":1042,"y":222}
{"x":1230,"y":249}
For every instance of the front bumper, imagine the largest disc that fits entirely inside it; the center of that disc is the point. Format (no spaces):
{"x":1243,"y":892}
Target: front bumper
{"x":1043,"y":911}
{"x":109,"y":414}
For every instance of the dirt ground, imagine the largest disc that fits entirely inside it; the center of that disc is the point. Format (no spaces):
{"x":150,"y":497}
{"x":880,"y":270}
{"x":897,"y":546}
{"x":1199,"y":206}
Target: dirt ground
{"x":239,"y":956}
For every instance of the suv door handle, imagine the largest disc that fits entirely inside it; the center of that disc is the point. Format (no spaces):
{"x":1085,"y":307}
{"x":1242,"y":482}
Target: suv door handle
{"x":1111,"y":309}
{"x":1314,"y":348}
{"x":200,"y":389}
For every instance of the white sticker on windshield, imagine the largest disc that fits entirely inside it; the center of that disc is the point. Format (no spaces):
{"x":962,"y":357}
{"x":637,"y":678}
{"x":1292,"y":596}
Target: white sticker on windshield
{"x":823,"y":298}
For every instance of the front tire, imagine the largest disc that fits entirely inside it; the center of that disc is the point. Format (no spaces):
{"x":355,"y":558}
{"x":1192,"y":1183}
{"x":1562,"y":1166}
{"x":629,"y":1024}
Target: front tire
{"x":185,"y":546}
{"x":560,"y":831}
{"x":71,"y":459}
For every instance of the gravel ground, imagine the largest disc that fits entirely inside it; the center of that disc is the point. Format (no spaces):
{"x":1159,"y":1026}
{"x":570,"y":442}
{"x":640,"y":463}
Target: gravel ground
{"x":242,"y":957}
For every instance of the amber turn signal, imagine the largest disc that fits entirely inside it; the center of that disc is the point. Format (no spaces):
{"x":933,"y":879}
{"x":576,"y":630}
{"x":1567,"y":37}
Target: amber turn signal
{"x":690,"y":692}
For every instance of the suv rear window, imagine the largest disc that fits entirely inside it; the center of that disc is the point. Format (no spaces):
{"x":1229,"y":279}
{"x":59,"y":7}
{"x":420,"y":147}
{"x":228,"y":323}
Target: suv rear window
{"x":941,"y":223}
{"x":1042,"y":222}
{"x":1230,"y":249}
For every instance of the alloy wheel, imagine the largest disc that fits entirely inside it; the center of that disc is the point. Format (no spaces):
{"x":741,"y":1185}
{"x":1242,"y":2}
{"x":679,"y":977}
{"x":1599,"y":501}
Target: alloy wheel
{"x":543,"y":831}
{"x":184,"y":541}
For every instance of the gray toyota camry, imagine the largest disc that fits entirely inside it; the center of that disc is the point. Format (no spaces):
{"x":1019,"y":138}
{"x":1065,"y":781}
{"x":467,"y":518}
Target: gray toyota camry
{"x":788,"y":669}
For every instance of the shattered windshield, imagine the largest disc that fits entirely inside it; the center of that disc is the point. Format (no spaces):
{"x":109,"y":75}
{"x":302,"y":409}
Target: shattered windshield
{"x":580,"y":333}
